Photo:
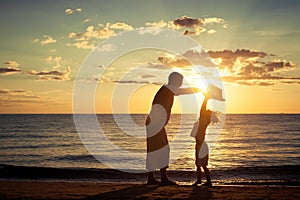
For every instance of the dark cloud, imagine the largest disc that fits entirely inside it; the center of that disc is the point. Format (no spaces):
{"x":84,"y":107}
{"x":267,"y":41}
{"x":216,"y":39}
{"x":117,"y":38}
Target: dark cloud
{"x":245,"y":64}
{"x":279,"y":65}
{"x":185,"y":21}
{"x":9,"y":70}
{"x":246,"y":67}
{"x":242,"y":53}
{"x":9,"y":67}
{"x":173,"y":62}
{"x":199,"y":58}
{"x":188,"y":58}
{"x":196,"y":26}
{"x":264,"y":69}
{"x":52,"y":75}
{"x":229,"y":57}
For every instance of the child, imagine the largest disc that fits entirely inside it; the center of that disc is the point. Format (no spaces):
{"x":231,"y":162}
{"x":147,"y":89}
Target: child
{"x":201,"y":148}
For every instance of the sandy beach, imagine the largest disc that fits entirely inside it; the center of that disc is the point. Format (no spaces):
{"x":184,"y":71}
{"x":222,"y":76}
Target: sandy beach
{"x":92,"y":190}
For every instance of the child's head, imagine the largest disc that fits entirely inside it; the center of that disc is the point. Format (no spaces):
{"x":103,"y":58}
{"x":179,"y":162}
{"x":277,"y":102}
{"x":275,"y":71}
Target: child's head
{"x":175,"y":79}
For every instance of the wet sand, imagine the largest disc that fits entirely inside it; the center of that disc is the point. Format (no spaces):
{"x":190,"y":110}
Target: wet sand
{"x":92,"y":190}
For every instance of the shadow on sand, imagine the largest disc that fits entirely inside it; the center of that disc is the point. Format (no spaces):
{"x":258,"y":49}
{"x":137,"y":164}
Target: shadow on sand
{"x":200,"y":193}
{"x":155,"y":192}
{"x":132,"y":192}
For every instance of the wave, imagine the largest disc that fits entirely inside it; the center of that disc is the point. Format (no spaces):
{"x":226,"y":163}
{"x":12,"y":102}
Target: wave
{"x":288,"y":174}
{"x":79,"y":158}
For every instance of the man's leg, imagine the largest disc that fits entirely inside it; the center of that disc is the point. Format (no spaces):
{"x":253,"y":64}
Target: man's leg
{"x":151,"y":179}
{"x":164,"y":178}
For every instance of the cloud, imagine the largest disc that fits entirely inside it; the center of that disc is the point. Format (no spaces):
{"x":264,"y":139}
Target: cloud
{"x":211,"y":31}
{"x":129,"y":82}
{"x":149,"y":30}
{"x":18,"y":97}
{"x":46,"y":40}
{"x":213,"y":20}
{"x":70,"y":11}
{"x":178,"y":62}
{"x":55,"y":61}
{"x":106,"y":47}
{"x":196,"y":31}
{"x":157,"y":66}
{"x":9,"y":67}
{"x":187,"y":59}
{"x":242,"y":66}
{"x":185,"y":21}
{"x":159,"y":24}
{"x":192,"y":26}
{"x":228,"y":54}
{"x":102,"y":33}
{"x":251,"y":67}
{"x":52,"y":75}
{"x":121,"y":25}
{"x":86,"y":20}
{"x":8,"y":70}
{"x":88,"y":38}
{"x":12,"y":64}
{"x":199,"y":57}
{"x":6,"y":91}
{"x":83,"y":45}
{"x":265,"y":70}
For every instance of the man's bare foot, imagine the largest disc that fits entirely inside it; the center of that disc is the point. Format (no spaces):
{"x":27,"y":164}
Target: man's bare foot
{"x":168,"y":182}
{"x":153,"y":182}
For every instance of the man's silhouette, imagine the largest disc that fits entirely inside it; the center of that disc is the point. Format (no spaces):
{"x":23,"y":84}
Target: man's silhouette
{"x":158,"y":149}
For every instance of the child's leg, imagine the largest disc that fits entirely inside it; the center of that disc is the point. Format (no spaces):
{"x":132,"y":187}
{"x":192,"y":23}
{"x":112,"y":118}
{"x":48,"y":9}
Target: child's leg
{"x":207,"y":175}
{"x":199,"y":174}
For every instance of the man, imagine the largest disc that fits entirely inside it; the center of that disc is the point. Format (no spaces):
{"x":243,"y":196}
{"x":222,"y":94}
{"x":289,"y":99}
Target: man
{"x":158,"y":149}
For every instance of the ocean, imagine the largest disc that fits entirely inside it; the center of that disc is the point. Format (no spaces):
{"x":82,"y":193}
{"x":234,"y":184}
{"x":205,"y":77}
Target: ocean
{"x":248,"y":146}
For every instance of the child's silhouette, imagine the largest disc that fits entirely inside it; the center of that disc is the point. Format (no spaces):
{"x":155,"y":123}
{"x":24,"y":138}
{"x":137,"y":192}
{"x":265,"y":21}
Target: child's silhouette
{"x":201,"y":148}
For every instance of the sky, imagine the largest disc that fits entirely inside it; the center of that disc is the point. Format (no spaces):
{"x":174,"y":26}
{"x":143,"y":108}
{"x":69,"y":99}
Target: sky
{"x":253,"y":45}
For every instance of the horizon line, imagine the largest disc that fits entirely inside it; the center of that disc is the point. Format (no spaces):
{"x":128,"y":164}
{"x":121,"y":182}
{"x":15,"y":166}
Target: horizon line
{"x":262,"y":113}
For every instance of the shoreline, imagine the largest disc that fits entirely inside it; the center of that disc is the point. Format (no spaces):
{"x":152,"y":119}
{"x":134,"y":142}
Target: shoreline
{"x":288,"y":175}
{"x":89,"y":190}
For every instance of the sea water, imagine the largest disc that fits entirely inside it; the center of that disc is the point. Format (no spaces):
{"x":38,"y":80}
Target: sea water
{"x":245,"y":140}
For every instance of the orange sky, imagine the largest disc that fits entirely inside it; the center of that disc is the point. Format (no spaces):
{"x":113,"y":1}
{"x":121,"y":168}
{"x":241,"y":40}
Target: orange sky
{"x":254,"y":48}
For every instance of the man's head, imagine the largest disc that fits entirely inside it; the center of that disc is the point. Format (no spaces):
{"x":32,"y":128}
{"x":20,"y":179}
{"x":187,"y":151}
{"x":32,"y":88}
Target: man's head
{"x":175,"y":79}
